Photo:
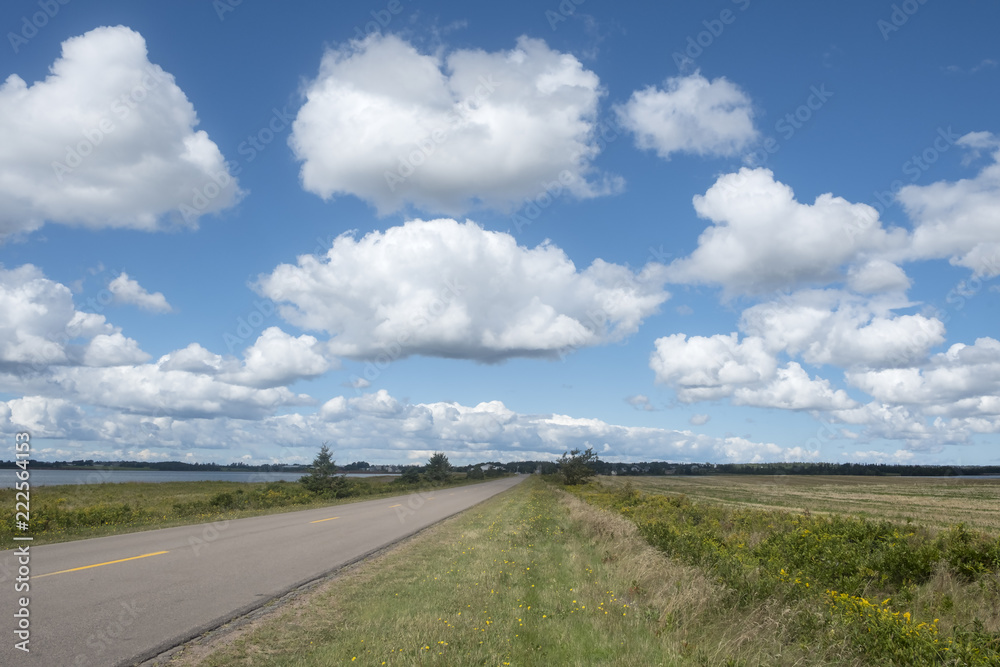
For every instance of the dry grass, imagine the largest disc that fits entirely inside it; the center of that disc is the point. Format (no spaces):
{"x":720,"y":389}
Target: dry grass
{"x":931,"y":502}
{"x":680,"y":594}
{"x":965,"y":601}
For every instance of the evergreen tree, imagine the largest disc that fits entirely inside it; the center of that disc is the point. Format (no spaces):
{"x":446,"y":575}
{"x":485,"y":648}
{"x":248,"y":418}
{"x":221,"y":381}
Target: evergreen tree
{"x":576,"y":466}
{"x":322,"y":478}
{"x":438,"y":469}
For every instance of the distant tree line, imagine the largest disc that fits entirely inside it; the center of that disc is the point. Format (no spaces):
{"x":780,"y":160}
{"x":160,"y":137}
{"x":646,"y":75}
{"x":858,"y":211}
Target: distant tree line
{"x":161,"y":465}
{"x":869,"y":469}
{"x":488,"y":469}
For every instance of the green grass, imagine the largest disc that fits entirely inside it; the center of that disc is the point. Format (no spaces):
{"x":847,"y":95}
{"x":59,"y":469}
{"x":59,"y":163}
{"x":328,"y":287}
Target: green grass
{"x":872,"y":587}
{"x":74,"y":512}
{"x":514,"y":581}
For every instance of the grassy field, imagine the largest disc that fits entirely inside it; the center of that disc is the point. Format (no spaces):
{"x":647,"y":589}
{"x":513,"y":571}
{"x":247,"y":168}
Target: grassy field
{"x":930,"y":502}
{"x":860,"y":587}
{"x":609,"y":575}
{"x":81,"y":511}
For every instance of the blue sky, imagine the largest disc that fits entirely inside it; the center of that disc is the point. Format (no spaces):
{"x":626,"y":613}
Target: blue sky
{"x":720,"y":231}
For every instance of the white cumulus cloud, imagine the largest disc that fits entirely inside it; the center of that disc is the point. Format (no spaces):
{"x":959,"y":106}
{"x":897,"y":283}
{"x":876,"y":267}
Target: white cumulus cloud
{"x":703,"y":368}
{"x":448,"y":289}
{"x":834,"y":327}
{"x":762,"y":239}
{"x":690,"y":114}
{"x":394,"y":126}
{"x":127,"y":290}
{"x":106,"y":140}
{"x":959,"y":220}
{"x":706,"y":368}
{"x":381,"y":428}
{"x":40,"y":326}
{"x":963,"y":381}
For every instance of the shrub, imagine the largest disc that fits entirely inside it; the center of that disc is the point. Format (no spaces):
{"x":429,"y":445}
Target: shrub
{"x":575,"y":466}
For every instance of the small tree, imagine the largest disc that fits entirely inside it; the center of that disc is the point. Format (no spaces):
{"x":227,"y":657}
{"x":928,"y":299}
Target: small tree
{"x":438,"y":469}
{"x":323,"y":478}
{"x":575,"y":466}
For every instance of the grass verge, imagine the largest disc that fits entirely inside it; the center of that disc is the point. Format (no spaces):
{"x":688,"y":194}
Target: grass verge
{"x":531,"y":577}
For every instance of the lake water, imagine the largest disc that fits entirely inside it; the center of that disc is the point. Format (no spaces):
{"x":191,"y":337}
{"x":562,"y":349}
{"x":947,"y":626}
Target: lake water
{"x":54,"y":477}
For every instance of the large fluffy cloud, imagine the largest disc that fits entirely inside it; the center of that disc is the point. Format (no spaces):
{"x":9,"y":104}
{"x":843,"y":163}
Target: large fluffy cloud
{"x":762,"y":239}
{"x":393,"y":126}
{"x":833,"y":327}
{"x":963,"y":381}
{"x":41,"y":326}
{"x":106,"y":140}
{"x":706,"y":368}
{"x":959,"y":220}
{"x":46,"y":417}
{"x":820,"y":327}
{"x":148,"y":389}
{"x":188,"y":383}
{"x":703,"y":368}
{"x":449,"y":289}
{"x":690,"y":114}
{"x":275,"y":359}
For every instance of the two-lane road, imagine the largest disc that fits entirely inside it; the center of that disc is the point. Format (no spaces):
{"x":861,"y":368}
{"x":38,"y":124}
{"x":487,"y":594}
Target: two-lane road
{"x":122,"y":599}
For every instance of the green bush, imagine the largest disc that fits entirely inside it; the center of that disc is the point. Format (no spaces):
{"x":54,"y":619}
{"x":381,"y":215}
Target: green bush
{"x":833,"y":560}
{"x":410,"y":476}
{"x":53,"y":517}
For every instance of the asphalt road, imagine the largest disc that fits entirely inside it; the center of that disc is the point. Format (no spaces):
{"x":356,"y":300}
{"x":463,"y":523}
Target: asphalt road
{"x":120,"y":600}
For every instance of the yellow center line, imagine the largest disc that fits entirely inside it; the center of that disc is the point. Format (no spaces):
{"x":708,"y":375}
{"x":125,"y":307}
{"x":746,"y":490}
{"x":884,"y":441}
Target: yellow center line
{"x":322,"y":520}
{"x":399,"y":505}
{"x":110,"y":562}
